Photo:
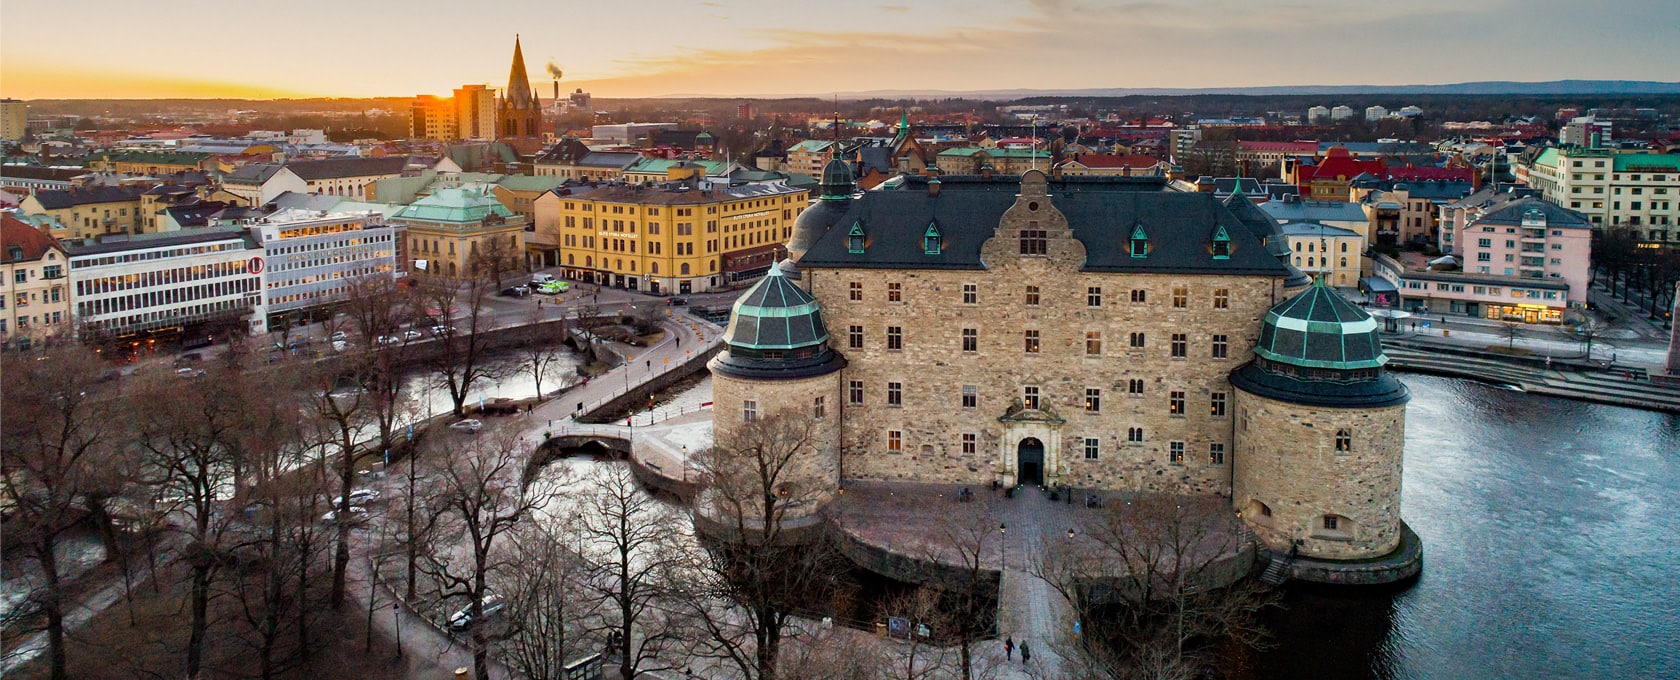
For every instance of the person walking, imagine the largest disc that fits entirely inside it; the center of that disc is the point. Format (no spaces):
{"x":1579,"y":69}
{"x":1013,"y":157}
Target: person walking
{"x":1008,"y":648}
{"x":1026,"y":654}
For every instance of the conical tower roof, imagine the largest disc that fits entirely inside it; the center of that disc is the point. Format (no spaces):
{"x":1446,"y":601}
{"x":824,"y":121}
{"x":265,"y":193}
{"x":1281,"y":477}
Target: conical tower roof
{"x":518,"y":93}
{"x":776,"y":331}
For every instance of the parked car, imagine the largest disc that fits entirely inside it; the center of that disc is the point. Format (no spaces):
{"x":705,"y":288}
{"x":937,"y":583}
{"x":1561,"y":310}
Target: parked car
{"x":516,"y":291}
{"x":188,"y":358}
{"x":357,"y":513}
{"x":388,"y":340}
{"x":339,"y":336}
{"x":469,"y":426}
{"x":676,"y":301}
{"x":463,"y":619}
{"x":358,"y":497}
{"x":412,"y":334}
{"x":339,"y":345}
{"x":190,"y":372}
{"x":552,"y":288}
{"x":439,"y":331}
{"x":541,"y":278}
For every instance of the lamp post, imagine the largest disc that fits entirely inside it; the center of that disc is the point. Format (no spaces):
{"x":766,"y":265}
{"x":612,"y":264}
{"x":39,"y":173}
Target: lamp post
{"x":685,"y":463}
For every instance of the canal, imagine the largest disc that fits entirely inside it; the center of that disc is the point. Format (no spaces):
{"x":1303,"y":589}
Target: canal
{"x":1549,"y":530}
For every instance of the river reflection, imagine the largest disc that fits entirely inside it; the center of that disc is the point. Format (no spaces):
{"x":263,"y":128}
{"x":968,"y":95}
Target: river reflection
{"x":1549,"y":533}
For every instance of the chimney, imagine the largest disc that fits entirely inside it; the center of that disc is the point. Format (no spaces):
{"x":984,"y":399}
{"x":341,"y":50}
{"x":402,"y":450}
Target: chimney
{"x":933,"y":186}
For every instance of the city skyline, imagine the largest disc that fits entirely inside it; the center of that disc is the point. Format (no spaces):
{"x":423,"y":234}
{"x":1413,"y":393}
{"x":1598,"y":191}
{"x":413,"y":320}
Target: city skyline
{"x":757,"y":48}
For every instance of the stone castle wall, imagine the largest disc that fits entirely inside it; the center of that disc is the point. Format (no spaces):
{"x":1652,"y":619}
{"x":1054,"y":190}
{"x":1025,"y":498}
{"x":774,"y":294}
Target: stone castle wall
{"x":1287,"y":460}
{"x":815,"y":477}
{"x":932,"y":368}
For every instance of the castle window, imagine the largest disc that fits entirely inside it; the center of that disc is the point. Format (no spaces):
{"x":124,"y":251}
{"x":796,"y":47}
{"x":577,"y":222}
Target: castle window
{"x":854,"y":337}
{"x":1134,"y":434}
{"x":1092,"y":448}
{"x":930,"y":240}
{"x":1331,"y":522}
{"x":1093,"y":400}
{"x":1344,"y":440}
{"x":1032,"y":296}
{"x":895,"y":441}
{"x":970,"y":340}
{"x":1093,"y":297}
{"x":1175,"y":403}
{"x":854,"y":392}
{"x":1034,"y":242}
{"x":1216,"y":454}
{"x":1029,"y":397}
{"x":1093,"y":343}
{"x":819,"y":408}
{"x":749,"y":411}
{"x":895,"y":292}
{"x":1137,"y":340}
{"x":855,"y":290}
{"x":1216,"y":406}
{"x":1221,"y":298}
{"x":895,"y":394}
{"x":895,"y":338}
{"x":1180,"y":297}
{"x":1134,"y":387}
{"x":1140,"y":242}
{"x":854,"y":238}
{"x":1221,"y":346}
{"x":1180,"y":345}
{"x":1030,"y":342}
{"x":970,"y":396}
{"x":971,"y":294}
{"x":1221,"y":244}
{"x":970,"y":443}
{"x":1140,"y":296}
{"x":1175,"y":452}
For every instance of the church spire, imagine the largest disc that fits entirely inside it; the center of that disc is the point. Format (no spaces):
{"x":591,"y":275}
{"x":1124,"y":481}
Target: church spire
{"x":518,"y":94}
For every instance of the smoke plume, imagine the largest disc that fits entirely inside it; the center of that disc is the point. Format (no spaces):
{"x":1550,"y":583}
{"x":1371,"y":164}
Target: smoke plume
{"x":554,"y":70}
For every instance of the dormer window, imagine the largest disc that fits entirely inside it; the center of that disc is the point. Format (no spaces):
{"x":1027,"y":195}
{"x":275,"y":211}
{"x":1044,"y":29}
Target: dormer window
{"x":1139,"y":242}
{"x":1221,"y":244}
{"x":930,"y":240}
{"x":854,"y":238}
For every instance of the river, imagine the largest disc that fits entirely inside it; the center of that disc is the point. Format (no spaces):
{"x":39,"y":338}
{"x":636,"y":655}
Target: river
{"x":1549,"y":530}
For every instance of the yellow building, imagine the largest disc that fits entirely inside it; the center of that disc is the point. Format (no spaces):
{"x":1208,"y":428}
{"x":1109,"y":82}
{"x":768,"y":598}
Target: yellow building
{"x":681,"y":237}
{"x":432,"y":117}
{"x":462,"y":232}
{"x":34,"y":299}
{"x":1321,"y":250}
{"x":475,"y":112}
{"x":91,"y":211}
{"x":152,"y":163}
{"x":14,"y":118}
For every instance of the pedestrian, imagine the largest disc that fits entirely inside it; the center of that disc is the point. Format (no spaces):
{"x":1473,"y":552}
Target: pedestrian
{"x":1414,"y":326}
{"x":1026,"y":654}
{"x":1009,"y":648}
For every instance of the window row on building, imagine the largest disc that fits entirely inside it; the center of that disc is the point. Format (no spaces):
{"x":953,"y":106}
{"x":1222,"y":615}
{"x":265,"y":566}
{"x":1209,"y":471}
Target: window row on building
{"x":1033,"y":295}
{"x":1032,"y":397}
{"x":1032,"y":342}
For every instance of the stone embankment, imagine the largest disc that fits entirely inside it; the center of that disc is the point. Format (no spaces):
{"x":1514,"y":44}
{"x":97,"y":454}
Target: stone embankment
{"x":1567,"y":379}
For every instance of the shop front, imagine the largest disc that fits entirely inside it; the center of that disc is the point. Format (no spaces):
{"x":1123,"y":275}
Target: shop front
{"x":1524,"y":313}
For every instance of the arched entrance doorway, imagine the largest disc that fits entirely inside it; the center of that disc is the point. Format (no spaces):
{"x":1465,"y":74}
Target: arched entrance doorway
{"x":1029,"y":462}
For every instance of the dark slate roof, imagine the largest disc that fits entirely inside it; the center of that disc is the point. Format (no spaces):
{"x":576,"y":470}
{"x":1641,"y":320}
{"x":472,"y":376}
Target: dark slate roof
{"x":53,"y":199}
{"x":40,"y":173}
{"x":251,"y":173}
{"x":159,"y":240}
{"x":1442,"y":190}
{"x":1102,"y":211}
{"x":197,"y":214}
{"x":1556,"y":216}
{"x":1320,"y":329}
{"x":335,"y":168}
{"x":1381,"y":391}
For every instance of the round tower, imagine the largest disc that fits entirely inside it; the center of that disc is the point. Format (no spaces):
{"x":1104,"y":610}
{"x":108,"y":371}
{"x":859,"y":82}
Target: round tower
{"x":776,"y":363}
{"x":834,"y":198}
{"x":1320,"y":434}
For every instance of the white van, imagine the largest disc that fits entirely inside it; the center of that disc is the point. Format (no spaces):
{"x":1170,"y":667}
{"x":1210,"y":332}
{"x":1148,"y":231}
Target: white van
{"x":539,"y":279}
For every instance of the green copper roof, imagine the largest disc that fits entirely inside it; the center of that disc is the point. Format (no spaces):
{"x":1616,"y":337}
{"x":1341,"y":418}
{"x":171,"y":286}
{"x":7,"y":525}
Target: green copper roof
{"x":837,"y":181}
{"x":1320,"y":329}
{"x":455,"y":206}
{"x":775,"y":314}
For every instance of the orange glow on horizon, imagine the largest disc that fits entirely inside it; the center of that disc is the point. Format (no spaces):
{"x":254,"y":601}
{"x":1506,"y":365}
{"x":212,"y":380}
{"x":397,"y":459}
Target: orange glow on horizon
{"x":22,"y":81}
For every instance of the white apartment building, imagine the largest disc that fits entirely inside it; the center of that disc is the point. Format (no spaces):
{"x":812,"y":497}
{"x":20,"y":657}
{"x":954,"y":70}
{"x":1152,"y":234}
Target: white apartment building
{"x":1341,"y":112}
{"x":312,"y":258}
{"x":167,"y":282}
{"x":1636,"y":191}
{"x":1375,"y":113}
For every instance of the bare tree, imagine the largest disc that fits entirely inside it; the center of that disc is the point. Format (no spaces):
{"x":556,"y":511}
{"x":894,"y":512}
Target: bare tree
{"x":761,"y":567}
{"x":633,"y":561}
{"x":459,"y":358}
{"x":1588,"y":332}
{"x":493,"y":257}
{"x":1145,"y":579}
{"x":1511,"y":330}
{"x":477,"y":498}
{"x":964,"y":587}
{"x":60,"y":456}
{"x":546,"y":602}
{"x":540,"y":353}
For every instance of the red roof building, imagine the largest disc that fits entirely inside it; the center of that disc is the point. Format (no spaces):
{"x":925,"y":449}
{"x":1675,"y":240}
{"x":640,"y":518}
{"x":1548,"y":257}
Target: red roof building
{"x":1329,"y":179}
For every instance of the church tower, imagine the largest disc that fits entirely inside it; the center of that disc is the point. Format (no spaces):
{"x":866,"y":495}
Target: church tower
{"x":520,"y":115}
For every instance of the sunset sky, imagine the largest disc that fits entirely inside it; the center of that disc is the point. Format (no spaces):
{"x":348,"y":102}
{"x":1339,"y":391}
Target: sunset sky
{"x":234,"y":48}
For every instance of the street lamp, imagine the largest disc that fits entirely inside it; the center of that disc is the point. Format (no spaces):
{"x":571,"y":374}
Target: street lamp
{"x":1003,"y":549}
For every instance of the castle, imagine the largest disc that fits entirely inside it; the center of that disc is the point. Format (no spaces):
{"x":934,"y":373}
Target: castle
{"x":1102,"y":333}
